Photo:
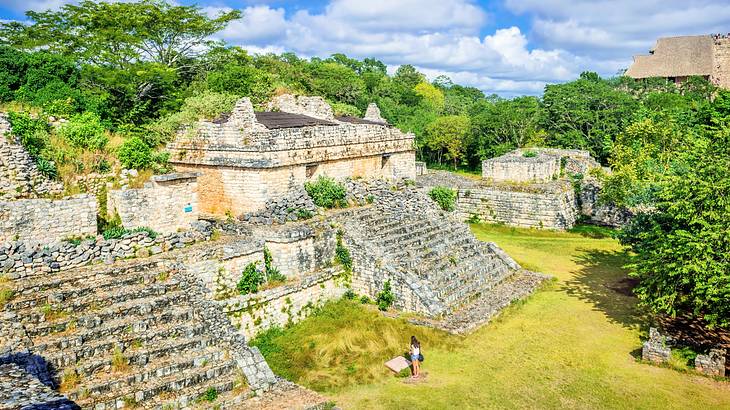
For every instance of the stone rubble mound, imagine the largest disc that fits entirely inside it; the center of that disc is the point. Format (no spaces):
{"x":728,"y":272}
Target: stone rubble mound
{"x":19,"y":175}
{"x":293,"y":207}
{"x":139,"y":333}
{"x":20,"y":259}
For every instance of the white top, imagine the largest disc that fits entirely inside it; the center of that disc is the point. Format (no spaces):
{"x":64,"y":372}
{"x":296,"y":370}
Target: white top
{"x":415,"y":350}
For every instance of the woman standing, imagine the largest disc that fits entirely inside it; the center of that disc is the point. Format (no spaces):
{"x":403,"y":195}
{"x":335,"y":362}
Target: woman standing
{"x":416,"y":356}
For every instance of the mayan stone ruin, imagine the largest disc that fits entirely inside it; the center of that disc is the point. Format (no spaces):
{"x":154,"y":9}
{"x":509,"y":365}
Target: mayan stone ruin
{"x":249,"y":158}
{"x":532,"y":187}
{"x":154,"y":317}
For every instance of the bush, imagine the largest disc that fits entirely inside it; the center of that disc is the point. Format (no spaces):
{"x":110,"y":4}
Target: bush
{"x":445,"y":197}
{"x":342,"y":254}
{"x":529,"y":154}
{"x":32,"y":133}
{"x":364,"y":299}
{"x":250,"y":280}
{"x":272,"y":273}
{"x":85,"y":131}
{"x":385,"y":298}
{"x":152,"y":234}
{"x":327,"y":193}
{"x":349,"y":294}
{"x":135,"y":154}
{"x":47,"y":168}
{"x":114,"y":232}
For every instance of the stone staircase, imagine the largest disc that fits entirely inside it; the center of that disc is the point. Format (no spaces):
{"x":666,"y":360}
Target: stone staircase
{"x":435,"y":264}
{"x":441,"y":252}
{"x":139,"y":333}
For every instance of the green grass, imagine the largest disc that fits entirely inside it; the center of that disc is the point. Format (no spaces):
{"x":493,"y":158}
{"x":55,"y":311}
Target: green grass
{"x":572,"y":345}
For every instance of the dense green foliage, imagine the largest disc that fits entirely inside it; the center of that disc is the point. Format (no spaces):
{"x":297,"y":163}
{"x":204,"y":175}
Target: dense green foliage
{"x":326,"y":192}
{"x":342,"y":254}
{"x":385,"y":297}
{"x":445,"y":197}
{"x":251,"y":278}
{"x":681,"y":249}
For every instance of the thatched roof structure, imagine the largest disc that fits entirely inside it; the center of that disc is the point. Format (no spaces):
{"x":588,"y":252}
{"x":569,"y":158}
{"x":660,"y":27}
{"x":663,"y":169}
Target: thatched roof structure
{"x":675,"y":57}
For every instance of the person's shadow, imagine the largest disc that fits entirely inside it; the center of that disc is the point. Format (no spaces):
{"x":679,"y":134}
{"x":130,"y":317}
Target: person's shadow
{"x":37,"y":367}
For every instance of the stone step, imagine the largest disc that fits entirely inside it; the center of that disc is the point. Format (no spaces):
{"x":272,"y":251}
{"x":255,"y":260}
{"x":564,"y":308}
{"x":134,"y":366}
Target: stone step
{"x":140,"y":384}
{"x":87,"y":280}
{"x":231,"y":388}
{"x":117,"y":328}
{"x":91,"y":298}
{"x":72,"y":355}
{"x":129,"y":309}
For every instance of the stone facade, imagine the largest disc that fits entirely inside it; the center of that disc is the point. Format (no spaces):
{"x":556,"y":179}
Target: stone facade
{"x":168,"y":203}
{"x":711,"y":364}
{"x":301,"y":249}
{"x":19,"y":175}
{"x":46,"y":220}
{"x":519,"y":168}
{"x":314,"y":107}
{"x":244,"y":164}
{"x":550,"y":207}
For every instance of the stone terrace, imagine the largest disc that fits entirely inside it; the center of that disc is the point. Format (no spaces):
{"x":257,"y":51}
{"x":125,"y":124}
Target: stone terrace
{"x":435,"y":264}
{"x":140,"y":332}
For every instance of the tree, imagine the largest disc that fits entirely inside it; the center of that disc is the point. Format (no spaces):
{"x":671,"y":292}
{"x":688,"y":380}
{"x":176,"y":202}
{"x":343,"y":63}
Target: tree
{"x":336,"y":82}
{"x":120,"y":34}
{"x":431,"y":96}
{"x":680,"y":249}
{"x":445,"y":136}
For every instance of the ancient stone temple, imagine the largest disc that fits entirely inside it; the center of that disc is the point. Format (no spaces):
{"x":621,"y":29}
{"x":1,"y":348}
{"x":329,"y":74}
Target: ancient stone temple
{"x":248,"y":158}
{"x":676,"y":58}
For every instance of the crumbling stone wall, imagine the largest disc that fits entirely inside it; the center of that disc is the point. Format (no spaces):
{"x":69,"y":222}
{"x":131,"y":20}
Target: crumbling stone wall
{"x":301,"y":249}
{"x":655,"y":349}
{"x":45,"y":220}
{"x":167,"y":203}
{"x":711,"y":364}
{"x":284,"y":304}
{"x":22,"y":258}
{"x":19,"y":175}
{"x":721,"y":62}
{"x":550,"y":208}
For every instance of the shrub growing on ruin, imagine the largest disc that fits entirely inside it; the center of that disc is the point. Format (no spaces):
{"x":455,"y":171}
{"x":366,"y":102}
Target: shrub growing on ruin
{"x":385,"y":298}
{"x":445,"y":197}
{"x":342,"y":254}
{"x":85,"y":131}
{"x":273,"y":275}
{"x":529,"y":154}
{"x":250,"y":280}
{"x":327,"y":193}
{"x":135,"y":154}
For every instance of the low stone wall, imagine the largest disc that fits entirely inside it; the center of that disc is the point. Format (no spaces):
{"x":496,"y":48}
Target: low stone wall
{"x":711,"y":364}
{"x":22,"y":259}
{"x":45,"y":220}
{"x":166,"y":204}
{"x":301,"y":249}
{"x":285,"y":304}
{"x":552,"y":208}
{"x":518,"y":168}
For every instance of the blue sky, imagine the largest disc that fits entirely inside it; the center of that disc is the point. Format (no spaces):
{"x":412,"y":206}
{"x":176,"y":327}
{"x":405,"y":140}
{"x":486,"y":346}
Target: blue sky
{"x":509,"y":47}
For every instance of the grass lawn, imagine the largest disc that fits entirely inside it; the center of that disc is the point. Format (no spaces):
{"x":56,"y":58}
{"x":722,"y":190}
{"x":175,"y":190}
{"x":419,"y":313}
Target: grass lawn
{"x":572,"y":345}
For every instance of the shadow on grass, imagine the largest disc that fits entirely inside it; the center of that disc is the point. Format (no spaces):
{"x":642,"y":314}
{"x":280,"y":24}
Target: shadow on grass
{"x":603,"y":282}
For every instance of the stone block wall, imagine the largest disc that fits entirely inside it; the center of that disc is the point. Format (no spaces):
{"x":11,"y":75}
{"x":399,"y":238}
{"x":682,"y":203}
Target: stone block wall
{"x":546,"y":208}
{"x":167,"y":203}
{"x":285,"y":304}
{"x":301,"y":249}
{"x":19,"y":175}
{"x":721,"y":62}
{"x":517,"y":168}
{"x":45,"y":220}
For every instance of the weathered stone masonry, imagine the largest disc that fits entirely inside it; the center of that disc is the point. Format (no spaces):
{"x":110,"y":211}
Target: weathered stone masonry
{"x":245,"y":164}
{"x":167,"y":203}
{"x":45,"y":220}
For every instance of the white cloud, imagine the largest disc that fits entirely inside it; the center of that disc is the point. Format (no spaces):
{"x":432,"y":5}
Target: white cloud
{"x":35,"y":5}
